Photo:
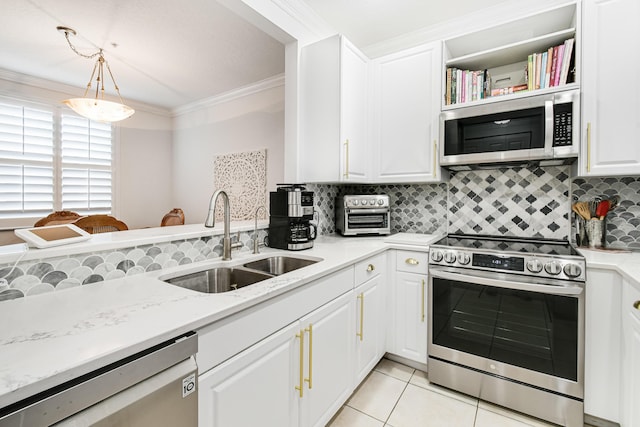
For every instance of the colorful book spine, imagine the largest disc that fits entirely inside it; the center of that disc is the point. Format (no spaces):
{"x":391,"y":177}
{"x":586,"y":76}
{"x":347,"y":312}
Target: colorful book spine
{"x":530,"y":72}
{"x":559,"y":65}
{"x":547,"y":81}
{"x":543,"y":70}
{"x":566,"y":61}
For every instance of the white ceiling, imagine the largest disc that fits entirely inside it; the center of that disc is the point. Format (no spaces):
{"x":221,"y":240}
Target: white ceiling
{"x":169,"y":53}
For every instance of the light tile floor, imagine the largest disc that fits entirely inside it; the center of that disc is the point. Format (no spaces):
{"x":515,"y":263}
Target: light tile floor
{"x":395,"y":395}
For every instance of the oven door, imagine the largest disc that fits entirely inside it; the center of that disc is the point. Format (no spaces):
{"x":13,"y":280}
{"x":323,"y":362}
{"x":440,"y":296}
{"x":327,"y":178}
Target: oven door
{"x":527,"y":330}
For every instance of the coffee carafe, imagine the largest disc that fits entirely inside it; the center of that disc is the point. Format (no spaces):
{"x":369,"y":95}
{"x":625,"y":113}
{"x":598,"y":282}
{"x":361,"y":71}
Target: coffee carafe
{"x":290,"y":213}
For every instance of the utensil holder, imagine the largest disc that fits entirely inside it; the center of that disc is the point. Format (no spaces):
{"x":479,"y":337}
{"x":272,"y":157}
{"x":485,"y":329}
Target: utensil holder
{"x":595,"y":232}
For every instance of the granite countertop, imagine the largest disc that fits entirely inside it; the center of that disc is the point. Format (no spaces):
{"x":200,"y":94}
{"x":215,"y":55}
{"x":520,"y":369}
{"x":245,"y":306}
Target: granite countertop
{"x":51,"y":338}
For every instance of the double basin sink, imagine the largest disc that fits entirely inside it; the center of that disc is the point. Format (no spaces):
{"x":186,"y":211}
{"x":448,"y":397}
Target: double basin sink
{"x":223,"y":279}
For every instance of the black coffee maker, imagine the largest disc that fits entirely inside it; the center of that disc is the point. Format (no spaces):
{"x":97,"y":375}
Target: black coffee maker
{"x":290,"y":213}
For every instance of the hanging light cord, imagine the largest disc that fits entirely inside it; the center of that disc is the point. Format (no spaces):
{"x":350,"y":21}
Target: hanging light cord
{"x":98,"y":66}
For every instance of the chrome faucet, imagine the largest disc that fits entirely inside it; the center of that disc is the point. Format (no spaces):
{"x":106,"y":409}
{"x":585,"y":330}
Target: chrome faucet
{"x":211,"y":221}
{"x":255,"y":230}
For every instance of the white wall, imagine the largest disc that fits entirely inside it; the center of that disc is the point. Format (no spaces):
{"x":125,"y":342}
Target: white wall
{"x":142,"y":155}
{"x":250,"y":119}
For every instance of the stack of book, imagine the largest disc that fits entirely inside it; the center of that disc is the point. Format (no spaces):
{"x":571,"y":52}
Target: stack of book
{"x":465,"y":86}
{"x":550,"y":68}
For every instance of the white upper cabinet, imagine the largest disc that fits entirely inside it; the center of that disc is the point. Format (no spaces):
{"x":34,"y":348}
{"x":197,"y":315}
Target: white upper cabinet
{"x":406,"y":88}
{"x":500,"y":55}
{"x":610,"y":90}
{"x":333,"y":113}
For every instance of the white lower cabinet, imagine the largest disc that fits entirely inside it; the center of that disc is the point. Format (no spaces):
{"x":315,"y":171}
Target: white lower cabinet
{"x":630,"y":355}
{"x":410,"y":311}
{"x":370,"y":332}
{"x":299,"y":376}
{"x":255,"y":387}
{"x":602,"y":344}
{"x":327,"y":361}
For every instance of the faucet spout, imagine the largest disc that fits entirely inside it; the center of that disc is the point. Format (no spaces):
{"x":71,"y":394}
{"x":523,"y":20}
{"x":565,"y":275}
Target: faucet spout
{"x":211,"y":221}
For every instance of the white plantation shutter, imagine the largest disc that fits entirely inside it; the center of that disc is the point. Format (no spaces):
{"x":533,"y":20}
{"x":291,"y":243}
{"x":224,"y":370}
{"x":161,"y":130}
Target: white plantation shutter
{"x":86,"y":153}
{"x":26,"y":161}
{"x":52,"y":161}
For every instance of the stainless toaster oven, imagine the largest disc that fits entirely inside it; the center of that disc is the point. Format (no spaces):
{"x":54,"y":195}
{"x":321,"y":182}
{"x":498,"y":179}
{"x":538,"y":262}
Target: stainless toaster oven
{"x":362,"y":215}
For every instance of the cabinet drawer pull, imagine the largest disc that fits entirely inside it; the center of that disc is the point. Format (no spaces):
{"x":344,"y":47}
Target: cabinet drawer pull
{"x":422,"y":303}
{"x":310,"y":379}
{"x":636,"y":305}
{"x":588,"y":147}
{"x":412,"y":261}
{"x":435,"y":156}
{"x":361,"y":333}
{"x":346,"y":160}
{"x":300,"y":387}
{"x":371,"y":267}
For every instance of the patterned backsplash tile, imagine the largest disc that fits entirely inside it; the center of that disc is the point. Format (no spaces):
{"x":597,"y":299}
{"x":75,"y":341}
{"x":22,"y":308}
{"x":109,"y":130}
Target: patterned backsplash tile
{"x":53,"y":274}
{"x":514,"y":202}
{"x":623,"y":222}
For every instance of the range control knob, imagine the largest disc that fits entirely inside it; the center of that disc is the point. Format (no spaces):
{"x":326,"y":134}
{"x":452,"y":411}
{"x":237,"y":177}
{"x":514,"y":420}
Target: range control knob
{"x":464,"y":258}
{"x":553,"y":267}
{"x":381,"y":202}
{"x":449,"y":257}
{"x":372,"y":202}
{"x":436,"y":256}
{"x":355,"y":202}
{"x":572,"y":270}
{"x":534,"y":266}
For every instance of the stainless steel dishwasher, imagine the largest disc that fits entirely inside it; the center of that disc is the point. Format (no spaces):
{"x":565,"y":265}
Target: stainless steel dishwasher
{"x":156,"y":387}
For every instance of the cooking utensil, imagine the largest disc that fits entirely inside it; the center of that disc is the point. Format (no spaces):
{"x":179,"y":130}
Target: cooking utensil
{"x":582,"y":209}
{"x":613,"y":202}
{"x":602,"y":209}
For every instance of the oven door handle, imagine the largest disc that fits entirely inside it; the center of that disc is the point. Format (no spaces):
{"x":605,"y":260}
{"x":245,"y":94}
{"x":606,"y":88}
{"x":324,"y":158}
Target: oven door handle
{"x":509,"y":284}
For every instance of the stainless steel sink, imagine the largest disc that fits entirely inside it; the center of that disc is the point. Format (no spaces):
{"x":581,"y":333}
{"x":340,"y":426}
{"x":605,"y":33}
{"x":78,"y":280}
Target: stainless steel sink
{"x":277,"y":265}
{"x":220,"y":279}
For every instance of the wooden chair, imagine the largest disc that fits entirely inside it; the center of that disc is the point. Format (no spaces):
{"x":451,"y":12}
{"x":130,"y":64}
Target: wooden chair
{"x":174,"y":217}
{"x":94,"y":224}
{"x":58,"y":217}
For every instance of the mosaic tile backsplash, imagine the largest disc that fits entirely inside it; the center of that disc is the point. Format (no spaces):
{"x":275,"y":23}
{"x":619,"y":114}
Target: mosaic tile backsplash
{"x":623,"y":222}
{"x":54,"y":274}
{"x":514,"y":202}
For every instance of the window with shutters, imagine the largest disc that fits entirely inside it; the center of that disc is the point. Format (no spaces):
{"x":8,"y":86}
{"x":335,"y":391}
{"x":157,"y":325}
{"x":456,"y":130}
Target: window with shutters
{"x":52,"y":160}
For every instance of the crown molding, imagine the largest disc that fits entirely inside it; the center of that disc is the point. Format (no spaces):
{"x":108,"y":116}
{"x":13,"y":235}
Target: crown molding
{"x":261,"y":86}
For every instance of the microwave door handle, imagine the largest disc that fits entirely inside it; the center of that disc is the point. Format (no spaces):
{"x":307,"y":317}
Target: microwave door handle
{"x":548,"y":128}
{"x":547,"y":289}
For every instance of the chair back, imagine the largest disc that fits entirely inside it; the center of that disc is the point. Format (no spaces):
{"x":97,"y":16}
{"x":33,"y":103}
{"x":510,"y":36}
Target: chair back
{"x":58,"y":217}
{"x":174,"y":217}
{"x":95,"y":224}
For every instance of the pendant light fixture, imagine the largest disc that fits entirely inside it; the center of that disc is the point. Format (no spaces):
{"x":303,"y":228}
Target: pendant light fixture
{"x":97,"y":108}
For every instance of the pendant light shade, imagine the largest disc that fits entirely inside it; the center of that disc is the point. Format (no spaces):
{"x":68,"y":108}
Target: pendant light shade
{"x":97,"y":108}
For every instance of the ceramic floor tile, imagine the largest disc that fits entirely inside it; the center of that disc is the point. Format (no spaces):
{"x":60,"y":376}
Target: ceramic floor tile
{"x":486,"y":418}
{"x":394,"y":369}
{"x":419,"y":378}
{"x":349,"y":417}
{"x":419,"y":407}
{"x":377,"y":395}
{"x":522,"y":419}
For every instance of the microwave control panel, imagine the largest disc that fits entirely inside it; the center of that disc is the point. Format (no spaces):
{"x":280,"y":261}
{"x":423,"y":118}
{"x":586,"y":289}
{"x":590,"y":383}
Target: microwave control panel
{"x":562,"y":125}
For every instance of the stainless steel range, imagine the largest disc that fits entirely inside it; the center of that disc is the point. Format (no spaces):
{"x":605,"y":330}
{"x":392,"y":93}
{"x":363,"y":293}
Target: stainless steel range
{"x":507,"y":323}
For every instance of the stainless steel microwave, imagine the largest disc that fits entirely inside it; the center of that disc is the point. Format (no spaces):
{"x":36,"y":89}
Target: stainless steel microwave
{"x":541,"y":129}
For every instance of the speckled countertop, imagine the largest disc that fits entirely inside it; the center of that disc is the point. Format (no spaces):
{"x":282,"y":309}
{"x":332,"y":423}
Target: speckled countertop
{"x":51,"y":338}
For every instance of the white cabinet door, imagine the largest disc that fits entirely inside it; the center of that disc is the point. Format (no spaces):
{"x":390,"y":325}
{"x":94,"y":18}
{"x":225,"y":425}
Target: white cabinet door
{"x":254,"y":388}
{"x":369,"y":328}
{"x":610,"y":92}
{"x":406,"y":110}
{"x":603,"y":339}
{"x":411,"y":316}
{"x":328,"y":361}
{"x":333,"y":111}
{"x":631,"y":356}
